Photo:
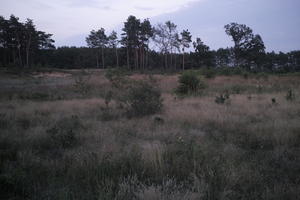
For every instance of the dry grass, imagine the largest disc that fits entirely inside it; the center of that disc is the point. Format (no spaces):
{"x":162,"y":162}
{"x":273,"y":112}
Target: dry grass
{"x":244,"y":149}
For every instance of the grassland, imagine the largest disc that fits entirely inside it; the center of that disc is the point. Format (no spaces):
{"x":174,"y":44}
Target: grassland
{"x":57,"y":140}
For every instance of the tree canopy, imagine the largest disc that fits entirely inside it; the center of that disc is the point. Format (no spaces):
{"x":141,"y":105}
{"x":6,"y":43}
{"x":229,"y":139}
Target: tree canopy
{"x":140,"y":46}
{"x":247,"y":46}
{"x":22,"y":41}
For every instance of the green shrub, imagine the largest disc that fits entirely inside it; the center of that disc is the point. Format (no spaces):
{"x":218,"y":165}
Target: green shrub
{"x":189,"y":84}
{"x":142,"y":99}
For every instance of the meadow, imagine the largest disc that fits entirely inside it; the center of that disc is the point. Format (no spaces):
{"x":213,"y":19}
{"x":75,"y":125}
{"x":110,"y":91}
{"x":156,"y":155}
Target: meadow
{"x":63,"y":137}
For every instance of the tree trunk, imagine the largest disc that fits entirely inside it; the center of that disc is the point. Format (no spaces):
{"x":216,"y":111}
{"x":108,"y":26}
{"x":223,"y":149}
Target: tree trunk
{"x":136,"y":58}
{"x":147,"y":59}
{"x":27,"y":57}
{"x":97,"y":58}
{"x":142,"y":59}
{"x":175,"y":61}
{"x":117,"y":56}
{"x":102,"y":49}
{"x":6,"y":58}
{"x":183,"y":61}
{"x":127,"y":57}
{"x":147,"y":56}
{"x":171,"y":61}
{"x":14,"y":57}
{"x":166,"y":60}
{"x":236,"y":58}
{"x":20,"y":57}
{"x":27,"y":51}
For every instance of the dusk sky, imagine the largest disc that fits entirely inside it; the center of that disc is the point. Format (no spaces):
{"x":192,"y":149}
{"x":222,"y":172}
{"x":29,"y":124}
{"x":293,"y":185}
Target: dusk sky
{"x":277,"y":21}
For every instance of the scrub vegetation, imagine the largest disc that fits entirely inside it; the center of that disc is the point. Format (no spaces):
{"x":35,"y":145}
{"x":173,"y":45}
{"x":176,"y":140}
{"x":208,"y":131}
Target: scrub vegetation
{"x":106,"y":134}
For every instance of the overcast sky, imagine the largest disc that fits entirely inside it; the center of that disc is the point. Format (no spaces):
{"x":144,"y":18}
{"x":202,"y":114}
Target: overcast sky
{"x":277,"y":21}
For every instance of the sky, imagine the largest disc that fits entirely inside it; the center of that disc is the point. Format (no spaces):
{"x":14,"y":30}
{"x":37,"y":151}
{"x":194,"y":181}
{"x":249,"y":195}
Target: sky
{"x":70,"y":21}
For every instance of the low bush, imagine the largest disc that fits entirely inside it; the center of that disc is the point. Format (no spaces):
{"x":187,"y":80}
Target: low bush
{"x":189,"y":84}
{"x":142,"y":99}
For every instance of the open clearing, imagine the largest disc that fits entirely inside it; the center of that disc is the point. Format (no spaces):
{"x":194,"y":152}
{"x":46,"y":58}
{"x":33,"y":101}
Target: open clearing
{"x":58,"y":142}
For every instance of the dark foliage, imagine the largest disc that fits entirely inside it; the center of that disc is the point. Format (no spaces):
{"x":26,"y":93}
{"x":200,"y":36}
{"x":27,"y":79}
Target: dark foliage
{"x":22,"y":45}
{"x":189,"y":84}
{"x":142,"y":99}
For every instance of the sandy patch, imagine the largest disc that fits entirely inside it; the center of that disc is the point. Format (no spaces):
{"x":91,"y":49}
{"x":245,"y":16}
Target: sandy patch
{"x":52,"y":75}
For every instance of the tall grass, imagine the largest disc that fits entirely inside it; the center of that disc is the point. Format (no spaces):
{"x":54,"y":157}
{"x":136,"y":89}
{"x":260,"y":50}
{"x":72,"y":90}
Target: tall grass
{"x":65,"y":149}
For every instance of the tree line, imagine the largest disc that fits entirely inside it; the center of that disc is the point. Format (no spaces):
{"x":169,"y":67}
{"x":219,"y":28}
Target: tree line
{"x":141,"y":46}
{"x":20,"y":42}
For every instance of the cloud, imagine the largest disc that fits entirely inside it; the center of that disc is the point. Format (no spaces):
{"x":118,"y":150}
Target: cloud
{"x":66,"y":18}
{"x":143,"y":8}
{"x":81,"y":3}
